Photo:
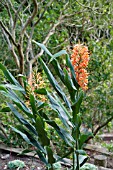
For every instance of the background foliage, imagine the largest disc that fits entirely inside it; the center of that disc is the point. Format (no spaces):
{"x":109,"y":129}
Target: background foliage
{"x":60,"y":25}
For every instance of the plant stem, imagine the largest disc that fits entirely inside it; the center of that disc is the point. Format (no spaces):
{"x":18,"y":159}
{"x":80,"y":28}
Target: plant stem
{"x":77,"y":156}
{"x":74,"y":158}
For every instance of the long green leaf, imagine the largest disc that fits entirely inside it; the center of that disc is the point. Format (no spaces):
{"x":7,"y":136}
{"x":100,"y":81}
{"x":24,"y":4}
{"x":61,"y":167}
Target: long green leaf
{"x":33,"y":106}
{"x":29,"y":139}
{"x":24,"y":136}
{"x":42,"y":157}
{"x":62,"y":133}
{"x":43,"y":47}
{"x":35,"y":142}
{"x":9,"y":76}
{"x":22,"y":120}
{"x":24,"y":109}
{"x":58,"y":70}
{"x":41,"y":131}
{"x":76,"y":106}
{"x":63,"y":115}
{"x":68,"y":139}
{"x":70,"y":86}
{"x":55,"y":84}
{"x":9,"y":95}
{"x":50,"y":156}
{"x":14,"y":87}
{"x":65,"y":78}
{"x":62,"y":52}
{"x":69,"y":64}
{"x":20,"y":104}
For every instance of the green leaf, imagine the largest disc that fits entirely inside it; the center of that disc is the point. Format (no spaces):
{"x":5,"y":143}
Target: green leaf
{"x":29,"y":139}
{"x":63,"y":115}
{"x":14,"y":87}
{"x":43,"y":47}
{"x":3,"y":88}
{"x":70,"y":86}
{"x":22,"y":120}
{"x":68,"y":139}
{"x":76,"y":106}
{"x":62,"y":52}
{"x":69,"y":64}
{"x":84,"y":137}
{"x":42,"y":157}
{"x":41,"y":91}
{"x":9,"y":76}
{"x":25,"y":151}
{"x":33,"y":106}
{"x":55,"y":84}
{"x":24,"y":108}
{"x":11,"y":95}
{"x":35,"y":142}
{"x":81,"y":152}
{"x":58,"y":70}
{"x":40,"y":105}
{"x":24,"y":136}
{"x":82,"y":159}
{"x":62,"y":133}
{"x":51,"y":159}
{"x":65,"y":78}
{"x":5,"y":109}
{"x":41,"y":131}
{"x":57,"y":166}
{"x":88,"y":166}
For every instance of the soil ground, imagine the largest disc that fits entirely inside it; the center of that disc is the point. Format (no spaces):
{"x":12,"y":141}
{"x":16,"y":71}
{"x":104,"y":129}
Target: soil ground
{"x":33,"y":163}
{"x":30,"y":162}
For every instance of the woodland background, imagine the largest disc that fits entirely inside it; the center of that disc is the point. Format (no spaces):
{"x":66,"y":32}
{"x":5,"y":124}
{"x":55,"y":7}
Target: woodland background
{"x":59,"y":25}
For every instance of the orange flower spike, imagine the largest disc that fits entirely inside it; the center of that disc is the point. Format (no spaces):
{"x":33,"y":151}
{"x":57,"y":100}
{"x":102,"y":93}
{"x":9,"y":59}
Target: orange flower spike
{"x":80,"y":59}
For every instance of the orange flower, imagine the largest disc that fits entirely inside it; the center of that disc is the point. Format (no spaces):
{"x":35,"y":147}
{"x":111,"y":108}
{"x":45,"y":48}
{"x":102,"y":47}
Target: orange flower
{"x":80,"y":59}
{"x":35,"y":81}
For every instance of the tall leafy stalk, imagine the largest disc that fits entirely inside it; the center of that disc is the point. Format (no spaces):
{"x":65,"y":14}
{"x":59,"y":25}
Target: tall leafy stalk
{"x":68,"y":78}
{"x":66,"y":108}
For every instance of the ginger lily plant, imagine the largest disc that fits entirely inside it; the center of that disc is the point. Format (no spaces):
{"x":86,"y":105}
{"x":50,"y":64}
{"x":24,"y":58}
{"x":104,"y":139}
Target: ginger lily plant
{"x":66,"y":103}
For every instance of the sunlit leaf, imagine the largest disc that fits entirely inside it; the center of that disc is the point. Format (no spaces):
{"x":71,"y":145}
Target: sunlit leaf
{"x":62,"y":52}
{"x":43,"y":47}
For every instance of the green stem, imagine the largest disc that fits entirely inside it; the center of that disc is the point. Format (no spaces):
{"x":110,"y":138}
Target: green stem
{"x":77,"y":156}
{"x":74,"y":158}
